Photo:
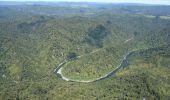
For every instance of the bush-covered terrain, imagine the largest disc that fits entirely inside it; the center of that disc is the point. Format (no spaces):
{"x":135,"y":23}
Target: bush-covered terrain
{"x":94,"y":38}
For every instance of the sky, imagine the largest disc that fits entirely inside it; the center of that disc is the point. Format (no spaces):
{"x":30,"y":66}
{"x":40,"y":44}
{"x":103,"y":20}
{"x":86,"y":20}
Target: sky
{"x":165,"y":2}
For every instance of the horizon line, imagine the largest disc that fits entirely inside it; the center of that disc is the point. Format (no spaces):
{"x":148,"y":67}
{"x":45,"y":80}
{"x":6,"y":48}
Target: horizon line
{"x":101,"y":2}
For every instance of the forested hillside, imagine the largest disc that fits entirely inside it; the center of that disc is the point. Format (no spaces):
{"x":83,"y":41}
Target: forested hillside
{"x":92,"y":39}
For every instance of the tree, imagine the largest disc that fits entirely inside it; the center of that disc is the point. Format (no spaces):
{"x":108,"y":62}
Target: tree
{"x":71,"y":55}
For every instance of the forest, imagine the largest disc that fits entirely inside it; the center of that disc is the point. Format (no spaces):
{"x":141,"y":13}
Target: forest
{"x":92,"y":40}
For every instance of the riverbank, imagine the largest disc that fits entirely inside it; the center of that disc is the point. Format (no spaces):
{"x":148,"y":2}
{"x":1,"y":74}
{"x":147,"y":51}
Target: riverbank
{"x":124,"y":63}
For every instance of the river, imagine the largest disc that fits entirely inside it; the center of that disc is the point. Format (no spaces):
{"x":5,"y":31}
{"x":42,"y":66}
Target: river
{"x":124,"y":63}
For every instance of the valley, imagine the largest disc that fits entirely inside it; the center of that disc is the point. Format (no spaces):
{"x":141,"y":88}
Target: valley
{"x":84,"y":51}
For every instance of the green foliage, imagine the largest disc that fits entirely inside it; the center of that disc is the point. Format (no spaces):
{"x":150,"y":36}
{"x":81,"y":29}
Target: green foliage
{"x":97,"y":35}
{"x":72,"y":55}
{"x":34,"y":39}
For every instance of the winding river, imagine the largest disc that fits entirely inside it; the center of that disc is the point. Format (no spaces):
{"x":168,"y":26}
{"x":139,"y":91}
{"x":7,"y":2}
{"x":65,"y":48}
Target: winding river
{"x":124,"y":63}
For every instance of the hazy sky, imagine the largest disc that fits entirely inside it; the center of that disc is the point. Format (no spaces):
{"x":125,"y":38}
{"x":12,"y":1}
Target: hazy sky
{"x":117,"y":1}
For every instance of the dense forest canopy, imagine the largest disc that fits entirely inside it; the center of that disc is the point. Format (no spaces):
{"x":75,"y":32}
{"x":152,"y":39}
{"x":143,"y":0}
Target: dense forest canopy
{"x":88,"y":40}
